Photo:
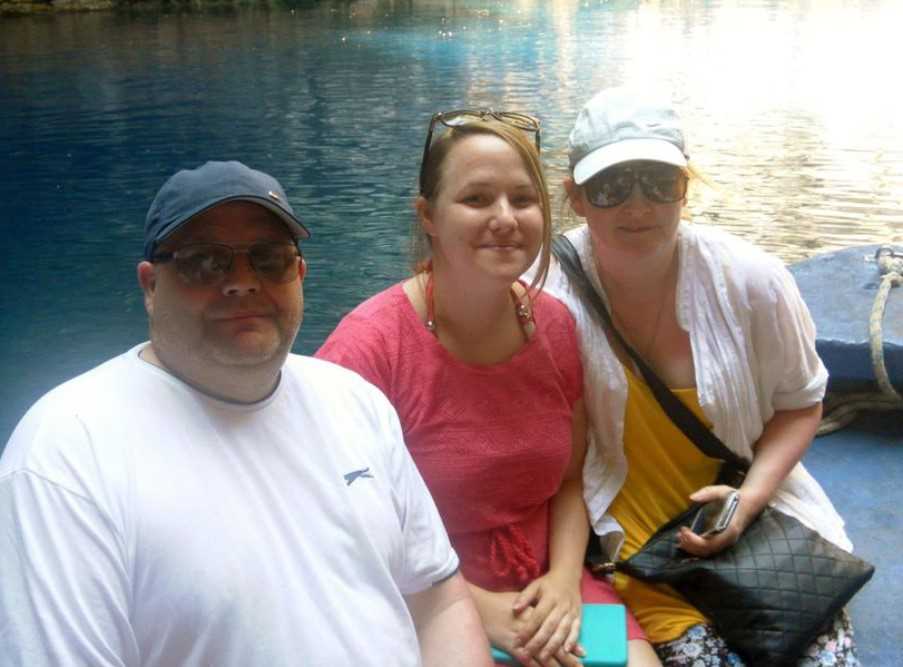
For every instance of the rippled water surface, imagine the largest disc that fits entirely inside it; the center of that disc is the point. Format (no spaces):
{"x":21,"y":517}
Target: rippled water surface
{"x":792,"y":108}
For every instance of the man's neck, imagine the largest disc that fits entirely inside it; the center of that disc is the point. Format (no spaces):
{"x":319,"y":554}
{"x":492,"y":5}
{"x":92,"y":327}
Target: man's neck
{"x":246,"y":387}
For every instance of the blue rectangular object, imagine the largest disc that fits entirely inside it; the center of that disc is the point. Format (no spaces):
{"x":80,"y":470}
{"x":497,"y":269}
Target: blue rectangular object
{"x":603,"y":633}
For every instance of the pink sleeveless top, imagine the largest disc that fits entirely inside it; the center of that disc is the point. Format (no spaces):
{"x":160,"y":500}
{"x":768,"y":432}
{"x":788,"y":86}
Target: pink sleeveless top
{"x":492,"y":442}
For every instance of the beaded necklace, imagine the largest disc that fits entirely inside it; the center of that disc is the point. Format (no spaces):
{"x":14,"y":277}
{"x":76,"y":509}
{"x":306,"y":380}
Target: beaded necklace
{"x":522,"y":310}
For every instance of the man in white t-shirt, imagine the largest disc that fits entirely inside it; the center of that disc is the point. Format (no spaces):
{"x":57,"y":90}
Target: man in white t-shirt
{"x":208,"y":498}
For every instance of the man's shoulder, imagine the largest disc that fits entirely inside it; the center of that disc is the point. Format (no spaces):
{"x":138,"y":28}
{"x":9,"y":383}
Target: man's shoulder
{"x":104,"y":380}
{"x":58,"y":427}
{"x":311,"y":369}
{"x":326,"y":379}
{"x":341,"y":404}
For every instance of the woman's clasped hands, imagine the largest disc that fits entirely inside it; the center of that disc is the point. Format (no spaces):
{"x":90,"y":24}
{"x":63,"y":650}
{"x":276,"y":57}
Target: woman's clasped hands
{"x":540,"y":625}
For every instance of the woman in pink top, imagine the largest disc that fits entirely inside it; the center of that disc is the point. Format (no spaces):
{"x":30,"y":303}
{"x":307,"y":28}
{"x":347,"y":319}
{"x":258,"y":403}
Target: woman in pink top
{"x":485,"y":374}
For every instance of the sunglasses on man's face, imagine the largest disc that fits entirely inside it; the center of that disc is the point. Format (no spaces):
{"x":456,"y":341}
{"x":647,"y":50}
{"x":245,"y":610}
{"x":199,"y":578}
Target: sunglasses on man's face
{"x":208,"y":264}
{"x":660,"y":183}
{"x":461,"y":117}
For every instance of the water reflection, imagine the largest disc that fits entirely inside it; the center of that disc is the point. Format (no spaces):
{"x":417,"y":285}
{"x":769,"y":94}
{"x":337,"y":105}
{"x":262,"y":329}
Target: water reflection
{"x":787,"y":105}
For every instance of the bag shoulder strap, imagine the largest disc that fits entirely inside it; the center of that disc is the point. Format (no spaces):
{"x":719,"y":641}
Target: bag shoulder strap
{"x":684,"y":418}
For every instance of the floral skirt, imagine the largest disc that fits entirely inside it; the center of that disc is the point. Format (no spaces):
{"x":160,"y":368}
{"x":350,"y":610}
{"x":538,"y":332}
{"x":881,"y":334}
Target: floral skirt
{"x":701,"y":646}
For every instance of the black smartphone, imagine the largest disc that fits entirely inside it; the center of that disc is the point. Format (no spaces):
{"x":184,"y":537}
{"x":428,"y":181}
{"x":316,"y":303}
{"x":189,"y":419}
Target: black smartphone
{"x":715,"y":516}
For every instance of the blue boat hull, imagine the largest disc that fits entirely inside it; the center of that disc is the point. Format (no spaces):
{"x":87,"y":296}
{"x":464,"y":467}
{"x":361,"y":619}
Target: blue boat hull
{"x":839,"y":288}
{"x":861,"y":468}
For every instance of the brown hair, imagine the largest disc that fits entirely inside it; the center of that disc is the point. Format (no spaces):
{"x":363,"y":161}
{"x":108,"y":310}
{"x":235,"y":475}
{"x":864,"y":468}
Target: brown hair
{"x":521,"y":142}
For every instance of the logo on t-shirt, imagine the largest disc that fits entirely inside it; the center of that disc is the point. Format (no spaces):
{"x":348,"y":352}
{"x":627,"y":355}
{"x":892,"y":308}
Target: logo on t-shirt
{"x":357,"y":474}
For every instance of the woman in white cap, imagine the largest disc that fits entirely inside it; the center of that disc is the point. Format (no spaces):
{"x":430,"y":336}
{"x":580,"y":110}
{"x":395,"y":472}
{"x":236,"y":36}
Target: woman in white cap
{"x":485,"y":374}
{"x":723,"y":325}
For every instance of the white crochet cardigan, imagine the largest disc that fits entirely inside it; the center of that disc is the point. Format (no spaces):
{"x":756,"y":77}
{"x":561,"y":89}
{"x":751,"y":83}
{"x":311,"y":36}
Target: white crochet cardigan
{"x":753,"y":344}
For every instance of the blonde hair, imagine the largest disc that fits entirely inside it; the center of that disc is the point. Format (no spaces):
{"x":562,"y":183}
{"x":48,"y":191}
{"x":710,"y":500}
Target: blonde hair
{"x":520,"y":141}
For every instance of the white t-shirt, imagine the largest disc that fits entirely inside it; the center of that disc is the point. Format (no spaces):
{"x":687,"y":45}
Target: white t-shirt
{"x":144,"y":523}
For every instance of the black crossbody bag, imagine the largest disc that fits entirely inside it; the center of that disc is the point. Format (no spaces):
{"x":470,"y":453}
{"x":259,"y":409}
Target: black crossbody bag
{"x":769,"y":594}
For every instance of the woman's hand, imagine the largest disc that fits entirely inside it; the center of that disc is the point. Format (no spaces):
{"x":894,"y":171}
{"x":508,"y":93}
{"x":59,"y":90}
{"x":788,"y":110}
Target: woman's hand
{"x":784,"y":440}
{"x":503,"y":626}
{"x":708,"y":545}
{"x":500,"y":621}
{"x":549,"y":610}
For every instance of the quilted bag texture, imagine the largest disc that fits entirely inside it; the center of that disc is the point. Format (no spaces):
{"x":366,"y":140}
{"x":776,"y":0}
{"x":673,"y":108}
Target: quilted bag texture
{"x":769,"y":594}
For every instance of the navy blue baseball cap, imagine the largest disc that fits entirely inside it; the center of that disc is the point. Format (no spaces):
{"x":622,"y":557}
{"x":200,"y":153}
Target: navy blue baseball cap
{"x":190,"y":192}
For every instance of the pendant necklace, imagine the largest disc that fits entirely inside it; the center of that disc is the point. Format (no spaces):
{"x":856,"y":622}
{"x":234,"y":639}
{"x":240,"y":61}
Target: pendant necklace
{"x":521,"y":309}
{"x":647,"y":348}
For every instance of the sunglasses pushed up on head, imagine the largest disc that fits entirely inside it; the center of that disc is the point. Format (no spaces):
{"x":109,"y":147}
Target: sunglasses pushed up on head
{"x":460,"y":117}
{"x":659,"y":182}
{"x":208,"y":264}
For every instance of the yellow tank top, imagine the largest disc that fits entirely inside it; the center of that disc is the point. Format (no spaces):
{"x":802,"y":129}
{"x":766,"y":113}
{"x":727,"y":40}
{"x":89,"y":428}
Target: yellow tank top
{"x":663,"y":469}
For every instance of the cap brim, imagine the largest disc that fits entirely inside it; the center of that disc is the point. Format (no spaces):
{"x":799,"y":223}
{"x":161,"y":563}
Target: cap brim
{"x":654,"y":150}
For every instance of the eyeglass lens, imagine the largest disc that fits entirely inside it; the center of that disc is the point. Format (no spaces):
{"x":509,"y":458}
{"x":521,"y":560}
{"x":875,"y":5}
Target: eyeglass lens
{"x":208,"y":264}
{"x":660,"y":183}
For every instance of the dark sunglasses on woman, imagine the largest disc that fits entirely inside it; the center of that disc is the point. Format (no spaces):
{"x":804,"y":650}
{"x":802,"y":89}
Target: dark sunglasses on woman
{"x":660,"y":183}
{"x":208,"y":264}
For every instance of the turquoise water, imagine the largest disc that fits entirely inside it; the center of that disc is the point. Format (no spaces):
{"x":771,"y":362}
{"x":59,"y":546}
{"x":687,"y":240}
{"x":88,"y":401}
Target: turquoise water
{"x":787,"y":104}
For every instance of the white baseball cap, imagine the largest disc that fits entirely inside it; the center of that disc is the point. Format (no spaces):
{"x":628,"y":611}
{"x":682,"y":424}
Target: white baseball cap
{"x":624,"y":124}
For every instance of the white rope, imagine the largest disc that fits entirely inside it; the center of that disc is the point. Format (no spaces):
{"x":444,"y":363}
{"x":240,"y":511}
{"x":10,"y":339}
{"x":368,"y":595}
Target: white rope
{"x":840,"y":410}
{"x":892,"y":277}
